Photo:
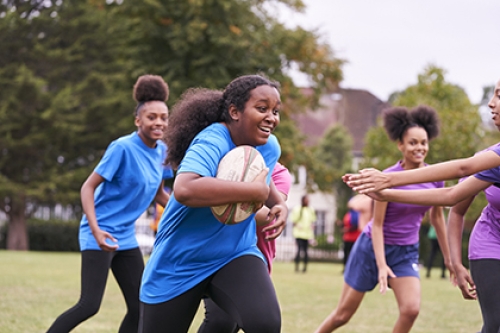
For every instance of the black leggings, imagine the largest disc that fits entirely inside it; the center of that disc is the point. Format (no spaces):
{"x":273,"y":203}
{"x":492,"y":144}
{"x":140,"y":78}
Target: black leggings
{"x":127,"y":267}
{"x":486,"y":276}
{"x":302,"y":247}
{"x":242,"y":289}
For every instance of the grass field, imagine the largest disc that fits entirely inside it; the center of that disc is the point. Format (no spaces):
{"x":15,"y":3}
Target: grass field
{"x":35,"y":287}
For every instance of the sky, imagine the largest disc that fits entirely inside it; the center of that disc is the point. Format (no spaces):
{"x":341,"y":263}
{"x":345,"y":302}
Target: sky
{"x":388,"y":43}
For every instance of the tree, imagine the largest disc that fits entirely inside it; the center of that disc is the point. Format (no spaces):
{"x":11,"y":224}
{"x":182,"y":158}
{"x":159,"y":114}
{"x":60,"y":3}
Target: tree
{"x":210,"y":42}
{"x":332,"y":158}
{"x":67,"y":69}
{"x":61,"y":102}
{"x":461,"y":133}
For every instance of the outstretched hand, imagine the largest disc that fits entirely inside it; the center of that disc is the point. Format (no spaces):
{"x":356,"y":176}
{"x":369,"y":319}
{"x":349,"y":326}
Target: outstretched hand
{"x":367,"y":180}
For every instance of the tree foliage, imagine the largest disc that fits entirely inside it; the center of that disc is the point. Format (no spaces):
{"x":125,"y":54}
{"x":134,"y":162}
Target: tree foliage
{"x":331,"y":159}
{"x":67,"y":69}
{"x":61,"y":102}
{"x":461,"y":132}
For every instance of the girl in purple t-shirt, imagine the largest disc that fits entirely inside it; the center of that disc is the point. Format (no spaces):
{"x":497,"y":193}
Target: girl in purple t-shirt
{"x":484,"y":245}
{"x":387,"y":250}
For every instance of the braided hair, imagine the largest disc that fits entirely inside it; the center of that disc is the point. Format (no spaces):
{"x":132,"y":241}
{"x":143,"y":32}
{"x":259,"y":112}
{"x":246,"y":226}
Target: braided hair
{"x":398,"y":120}
{"x":199,"y":107}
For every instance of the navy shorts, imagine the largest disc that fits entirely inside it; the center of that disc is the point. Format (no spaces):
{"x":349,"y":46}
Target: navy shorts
{"x":361,"y":272}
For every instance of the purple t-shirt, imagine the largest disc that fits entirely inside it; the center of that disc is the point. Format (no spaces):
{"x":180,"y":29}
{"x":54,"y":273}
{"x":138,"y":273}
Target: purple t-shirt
{"x":484,"y":242}
{"x":402,"y":221}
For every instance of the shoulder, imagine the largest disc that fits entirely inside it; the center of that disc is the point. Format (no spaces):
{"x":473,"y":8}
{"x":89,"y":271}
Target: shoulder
{"x":270,"y":150}
{"x":395,"y":167}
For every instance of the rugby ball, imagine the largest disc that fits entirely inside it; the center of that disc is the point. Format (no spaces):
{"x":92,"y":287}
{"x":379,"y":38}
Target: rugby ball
{"x":241,"y":164}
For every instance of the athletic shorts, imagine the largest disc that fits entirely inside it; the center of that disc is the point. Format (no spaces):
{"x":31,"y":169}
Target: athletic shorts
{"x":361,"y":272}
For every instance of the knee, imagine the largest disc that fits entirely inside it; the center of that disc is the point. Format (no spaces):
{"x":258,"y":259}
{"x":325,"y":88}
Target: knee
{"x":88,"y":310}
{"x":264,"y":324}
{"x":341,"y":317}
{"x":410,"y":311}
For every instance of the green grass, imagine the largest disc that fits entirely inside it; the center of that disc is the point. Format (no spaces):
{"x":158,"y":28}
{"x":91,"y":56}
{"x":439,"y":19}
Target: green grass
{"x":35,"y":287}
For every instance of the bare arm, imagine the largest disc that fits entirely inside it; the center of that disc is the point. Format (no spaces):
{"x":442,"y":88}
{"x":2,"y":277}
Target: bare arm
{"x":363,"y":204}
{"x":378,"y":245}
{"x":195,"y":191}
{"x":88,"y":205}
{"x":369,"y":180}
{"x":447,"y":196}
{"x":162,"y":196}
{"x":455,"y":229}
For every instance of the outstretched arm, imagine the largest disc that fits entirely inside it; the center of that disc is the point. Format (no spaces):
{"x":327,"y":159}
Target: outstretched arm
{"x":447,"y":196}
{"x":369,"y":180}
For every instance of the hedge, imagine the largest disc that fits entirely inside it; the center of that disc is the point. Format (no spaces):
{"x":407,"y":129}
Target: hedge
{"x":49,"y":235}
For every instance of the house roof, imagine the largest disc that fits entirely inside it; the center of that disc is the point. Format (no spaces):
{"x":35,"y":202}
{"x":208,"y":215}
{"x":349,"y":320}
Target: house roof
{"x":355,"y":109}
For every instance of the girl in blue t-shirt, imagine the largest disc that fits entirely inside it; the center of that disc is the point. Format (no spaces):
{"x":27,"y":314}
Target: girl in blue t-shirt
{"x":123,"y":185}
{"x":194,"y":255}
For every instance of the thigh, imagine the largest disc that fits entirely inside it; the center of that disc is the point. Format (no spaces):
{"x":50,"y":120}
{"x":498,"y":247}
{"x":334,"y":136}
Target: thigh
{"x":95,"y":270}
{"x":244,"y":290}
{"x":486,"y":276}
{"x":216,"y":320}
{"x":407,"y":292}
{"x":127,"y":267}
{"x":173,"y":316}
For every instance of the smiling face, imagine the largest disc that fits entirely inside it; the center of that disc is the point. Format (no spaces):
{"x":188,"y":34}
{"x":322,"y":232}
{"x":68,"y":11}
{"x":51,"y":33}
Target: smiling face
{"x":152,"y":121}
{"x":254,"y":124}
{"x":494,"y":105}
{"x":414,"y":147}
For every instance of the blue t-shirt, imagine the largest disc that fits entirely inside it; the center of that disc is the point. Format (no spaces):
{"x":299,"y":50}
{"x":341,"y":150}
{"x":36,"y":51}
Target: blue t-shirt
{"x":191,"y":244}
{"x":132,"y":174}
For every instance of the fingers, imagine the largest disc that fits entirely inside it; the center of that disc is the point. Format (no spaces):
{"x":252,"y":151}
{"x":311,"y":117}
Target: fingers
{"x":108,"y":247}
{"x":276,"y":228}
{"x":383,"y":284}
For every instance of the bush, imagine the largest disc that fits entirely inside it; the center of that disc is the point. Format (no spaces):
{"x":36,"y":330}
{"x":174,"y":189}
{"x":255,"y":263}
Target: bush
{"x":424,"y":247}
{"x":49,"y":235}
{"x":53,"y":235}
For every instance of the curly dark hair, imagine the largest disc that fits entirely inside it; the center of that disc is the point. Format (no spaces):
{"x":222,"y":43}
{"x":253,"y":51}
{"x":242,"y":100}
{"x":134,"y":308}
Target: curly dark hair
{"x":398,"y":120}
{"x":199,"y":107}
{"x":149,"y":88}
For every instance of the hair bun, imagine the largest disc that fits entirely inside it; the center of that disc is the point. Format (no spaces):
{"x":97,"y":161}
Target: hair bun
{"x":150,"y":88}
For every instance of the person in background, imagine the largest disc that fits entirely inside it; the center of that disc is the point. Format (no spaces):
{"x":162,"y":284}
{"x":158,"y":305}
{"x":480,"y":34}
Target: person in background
{"x":303,"y":218}
{"x":121,"y":187}
{"x":360,"y":212}
{"x":435,"y":248}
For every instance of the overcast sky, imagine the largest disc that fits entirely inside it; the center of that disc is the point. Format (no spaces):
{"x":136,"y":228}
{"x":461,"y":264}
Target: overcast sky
{"x":387,"y":43}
